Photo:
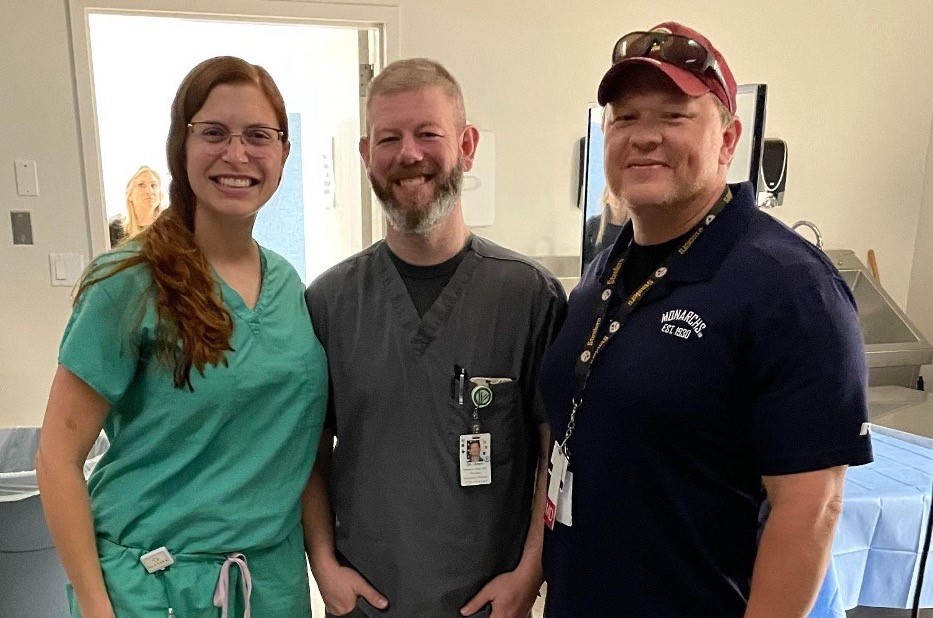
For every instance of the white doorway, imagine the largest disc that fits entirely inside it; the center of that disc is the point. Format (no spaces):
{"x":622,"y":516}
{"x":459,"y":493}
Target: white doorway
{"x":135,"y":60}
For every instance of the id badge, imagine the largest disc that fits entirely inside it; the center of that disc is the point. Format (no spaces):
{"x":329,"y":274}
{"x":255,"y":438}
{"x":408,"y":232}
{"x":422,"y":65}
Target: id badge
{"x":564,"y":510}
{"x":475,"y":453}
{"x":558,"y":472}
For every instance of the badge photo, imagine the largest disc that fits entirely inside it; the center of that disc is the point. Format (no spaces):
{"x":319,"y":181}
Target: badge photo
{"x":475,"y":454}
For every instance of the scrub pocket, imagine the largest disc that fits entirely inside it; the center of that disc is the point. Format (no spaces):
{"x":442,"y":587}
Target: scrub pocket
{"x":483,"y":613}
{"x":502,"y":418}
{"x":357,"y":612}
{"x":354,"y":613}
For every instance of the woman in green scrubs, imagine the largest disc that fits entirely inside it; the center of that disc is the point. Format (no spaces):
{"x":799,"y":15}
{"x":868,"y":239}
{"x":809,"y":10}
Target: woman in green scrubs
{"x":191,"y":347}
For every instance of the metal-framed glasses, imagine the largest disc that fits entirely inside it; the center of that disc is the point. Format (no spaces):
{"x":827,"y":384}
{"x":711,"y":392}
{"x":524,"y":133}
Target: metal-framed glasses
{"x":676,"y":49}
{"x":256,"y":140}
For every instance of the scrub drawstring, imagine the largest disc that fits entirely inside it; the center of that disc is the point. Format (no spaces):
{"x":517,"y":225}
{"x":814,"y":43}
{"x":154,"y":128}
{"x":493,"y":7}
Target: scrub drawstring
{"x":221,"y":598}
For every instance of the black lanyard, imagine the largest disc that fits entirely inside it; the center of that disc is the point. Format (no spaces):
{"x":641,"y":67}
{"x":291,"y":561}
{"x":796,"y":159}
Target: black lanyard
{"x":601,"y":333}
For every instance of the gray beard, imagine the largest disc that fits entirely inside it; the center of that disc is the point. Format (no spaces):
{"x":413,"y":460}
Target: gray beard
{"x":422,"y":220}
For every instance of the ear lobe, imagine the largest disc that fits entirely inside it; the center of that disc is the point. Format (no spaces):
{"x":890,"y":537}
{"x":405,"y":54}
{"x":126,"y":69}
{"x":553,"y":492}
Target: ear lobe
{"x":468,"y":142}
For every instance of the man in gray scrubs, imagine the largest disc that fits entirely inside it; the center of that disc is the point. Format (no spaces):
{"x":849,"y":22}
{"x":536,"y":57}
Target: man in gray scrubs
{"x":433,"y":337}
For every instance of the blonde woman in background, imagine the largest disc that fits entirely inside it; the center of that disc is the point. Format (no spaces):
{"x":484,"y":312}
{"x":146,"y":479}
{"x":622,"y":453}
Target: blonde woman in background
{"x":143,"y":205}
{"x":602,"y":230}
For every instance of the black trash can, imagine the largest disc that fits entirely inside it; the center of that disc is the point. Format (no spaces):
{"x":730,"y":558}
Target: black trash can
{"x":33,"y":580}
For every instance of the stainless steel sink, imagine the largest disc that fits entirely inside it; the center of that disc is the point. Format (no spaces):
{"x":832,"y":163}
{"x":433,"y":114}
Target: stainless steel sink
{"x":894,"y":347}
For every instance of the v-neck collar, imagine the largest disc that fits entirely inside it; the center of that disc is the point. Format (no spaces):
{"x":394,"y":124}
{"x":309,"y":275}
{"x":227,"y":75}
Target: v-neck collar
{"x":706,"y":255}
{"x":235,"y":302}
{"x":424,"y":330}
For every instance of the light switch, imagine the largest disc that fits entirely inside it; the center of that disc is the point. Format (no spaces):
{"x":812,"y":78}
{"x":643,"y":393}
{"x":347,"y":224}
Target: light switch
{"x":27,"y":180}
{"x":60,"y":270}
{"x":65,"y":268}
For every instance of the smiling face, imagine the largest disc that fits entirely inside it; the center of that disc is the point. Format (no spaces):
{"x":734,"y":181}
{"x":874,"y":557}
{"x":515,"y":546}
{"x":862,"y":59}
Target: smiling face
{"x":665,"y":150}
{"x":416,"y":153}
{"x":235,"y":181}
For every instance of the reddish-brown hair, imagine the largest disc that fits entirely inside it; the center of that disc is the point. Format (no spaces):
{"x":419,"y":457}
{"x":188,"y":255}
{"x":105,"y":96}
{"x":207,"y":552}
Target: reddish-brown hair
{"x":188,"y":303}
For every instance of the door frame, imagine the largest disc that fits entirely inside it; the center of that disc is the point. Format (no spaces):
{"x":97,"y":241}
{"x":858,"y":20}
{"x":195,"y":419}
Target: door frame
{"x":384,"y":19}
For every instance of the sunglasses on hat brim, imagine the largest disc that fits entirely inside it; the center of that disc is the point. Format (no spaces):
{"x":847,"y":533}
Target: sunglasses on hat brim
{"x":676,"y":49}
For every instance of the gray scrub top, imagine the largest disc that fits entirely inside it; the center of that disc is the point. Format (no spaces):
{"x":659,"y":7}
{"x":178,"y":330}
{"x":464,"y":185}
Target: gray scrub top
{"x":401,"y":517}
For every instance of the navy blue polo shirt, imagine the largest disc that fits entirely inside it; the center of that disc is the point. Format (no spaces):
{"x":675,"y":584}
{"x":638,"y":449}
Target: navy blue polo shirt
{"x":747,"y":362}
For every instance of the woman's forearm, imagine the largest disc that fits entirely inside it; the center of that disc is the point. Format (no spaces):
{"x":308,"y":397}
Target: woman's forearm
{"x":63,"y":491}
{"x":73,"y":420}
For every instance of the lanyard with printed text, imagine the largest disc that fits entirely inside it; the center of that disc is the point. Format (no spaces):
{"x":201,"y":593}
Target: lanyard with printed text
{"x":600,"y":335}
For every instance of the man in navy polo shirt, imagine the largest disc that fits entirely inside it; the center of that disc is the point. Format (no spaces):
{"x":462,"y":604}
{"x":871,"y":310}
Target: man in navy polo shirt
{"x":710,"y":359}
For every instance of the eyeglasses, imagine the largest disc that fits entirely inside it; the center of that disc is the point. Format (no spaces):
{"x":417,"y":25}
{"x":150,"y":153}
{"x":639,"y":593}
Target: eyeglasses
{"x":215,"y":137}
{"x":676,"y":49}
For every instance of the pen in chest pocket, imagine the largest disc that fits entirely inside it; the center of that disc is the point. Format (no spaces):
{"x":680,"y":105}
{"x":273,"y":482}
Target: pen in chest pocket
{"x":458,"y":383}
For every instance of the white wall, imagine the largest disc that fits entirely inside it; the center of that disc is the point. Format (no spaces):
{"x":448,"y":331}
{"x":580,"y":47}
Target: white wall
{"x":844,"y":92}
{"x":920,"y":298}
{"x":38,"y":120}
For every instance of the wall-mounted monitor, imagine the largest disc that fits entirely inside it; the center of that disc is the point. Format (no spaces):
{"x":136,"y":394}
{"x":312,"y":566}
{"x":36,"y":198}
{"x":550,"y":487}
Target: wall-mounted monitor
{"x":751,"y":104}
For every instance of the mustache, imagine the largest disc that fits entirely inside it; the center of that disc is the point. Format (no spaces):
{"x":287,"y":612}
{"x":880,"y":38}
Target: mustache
{"x":411,"y":171}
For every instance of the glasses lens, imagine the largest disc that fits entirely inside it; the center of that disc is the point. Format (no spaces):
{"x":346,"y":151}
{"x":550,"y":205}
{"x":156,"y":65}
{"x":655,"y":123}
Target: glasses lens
{"x":684,"y":52}
{"x":260,"y":137}
{"x":634,"y":45}
{"x":211,"y":133}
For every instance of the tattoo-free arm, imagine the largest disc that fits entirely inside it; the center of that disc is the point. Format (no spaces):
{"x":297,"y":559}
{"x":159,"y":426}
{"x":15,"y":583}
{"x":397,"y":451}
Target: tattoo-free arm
{"x":73,"y":419}
{"x":796,"y":544}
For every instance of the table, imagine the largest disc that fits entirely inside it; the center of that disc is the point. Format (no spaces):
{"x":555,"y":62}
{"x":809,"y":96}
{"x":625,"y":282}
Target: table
{"x":876,"y":552}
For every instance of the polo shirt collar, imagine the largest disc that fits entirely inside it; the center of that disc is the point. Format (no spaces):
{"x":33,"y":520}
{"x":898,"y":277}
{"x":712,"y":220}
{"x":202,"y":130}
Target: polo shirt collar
{"x":707,"y":253}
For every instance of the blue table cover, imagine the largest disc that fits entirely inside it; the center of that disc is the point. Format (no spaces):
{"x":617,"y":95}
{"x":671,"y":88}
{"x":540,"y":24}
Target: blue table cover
{"x":876,"y":552}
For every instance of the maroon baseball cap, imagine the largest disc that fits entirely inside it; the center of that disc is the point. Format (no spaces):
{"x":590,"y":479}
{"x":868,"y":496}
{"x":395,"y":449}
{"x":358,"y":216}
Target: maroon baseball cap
{"x":690,"y":82}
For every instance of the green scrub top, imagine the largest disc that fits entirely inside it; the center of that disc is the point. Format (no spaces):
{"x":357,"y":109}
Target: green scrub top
{"x":217,"y":469}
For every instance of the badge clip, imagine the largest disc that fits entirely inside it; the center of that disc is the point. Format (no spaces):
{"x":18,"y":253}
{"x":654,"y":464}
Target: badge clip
{"x":481,"y":395}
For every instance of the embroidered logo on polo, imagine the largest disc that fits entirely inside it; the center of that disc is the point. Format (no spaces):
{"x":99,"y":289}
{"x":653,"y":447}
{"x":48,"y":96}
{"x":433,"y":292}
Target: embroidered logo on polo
{"x":671,"y":322}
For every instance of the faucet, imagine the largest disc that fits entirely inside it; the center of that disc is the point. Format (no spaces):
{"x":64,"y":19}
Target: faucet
{"x":812,"y":226}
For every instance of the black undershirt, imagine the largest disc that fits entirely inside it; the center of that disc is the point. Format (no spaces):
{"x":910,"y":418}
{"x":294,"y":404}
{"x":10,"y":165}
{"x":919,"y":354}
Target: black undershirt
{"x":425,"y":283}
{"x":644,"y":259}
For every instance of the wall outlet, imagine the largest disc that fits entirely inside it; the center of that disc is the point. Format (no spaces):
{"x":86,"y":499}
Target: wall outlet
{"x":21,"y":223}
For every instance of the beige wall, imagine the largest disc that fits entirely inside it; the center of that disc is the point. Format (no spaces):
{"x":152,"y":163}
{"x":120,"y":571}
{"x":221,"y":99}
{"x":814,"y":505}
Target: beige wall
{"x":920,"y":299}
{"x":856,"y":114}
{"x":38,"y":120}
